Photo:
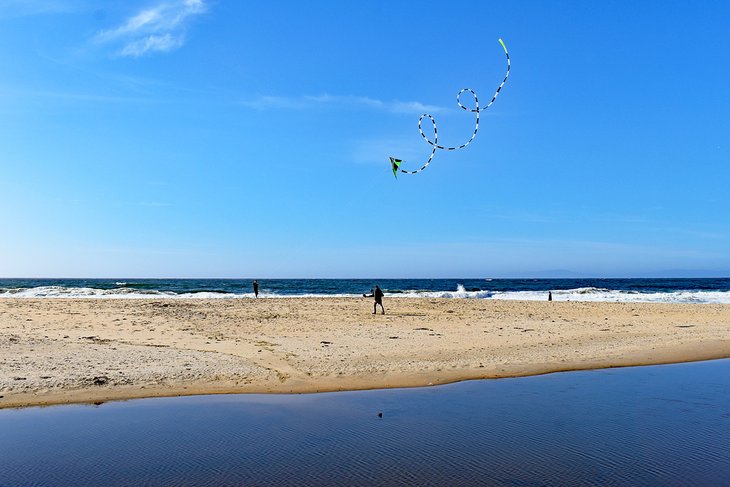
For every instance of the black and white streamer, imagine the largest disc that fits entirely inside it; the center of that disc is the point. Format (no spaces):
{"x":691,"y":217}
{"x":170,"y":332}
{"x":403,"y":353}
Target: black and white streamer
{"x":476,"y":109}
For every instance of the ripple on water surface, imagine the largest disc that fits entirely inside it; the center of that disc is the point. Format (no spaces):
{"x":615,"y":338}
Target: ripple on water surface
{"x":659,"y":425}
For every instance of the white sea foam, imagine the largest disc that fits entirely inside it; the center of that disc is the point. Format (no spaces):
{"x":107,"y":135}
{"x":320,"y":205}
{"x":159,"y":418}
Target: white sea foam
{"x":81,"y":292}
{"x":459,"y":293}
{"x":613,"y":295}
{"x":581,"y":294}
{"x":130,"y":293}
{"x":578,"y":294}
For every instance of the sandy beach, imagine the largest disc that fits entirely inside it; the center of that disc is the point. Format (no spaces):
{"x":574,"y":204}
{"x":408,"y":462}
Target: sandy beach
{"x":55,"y":351}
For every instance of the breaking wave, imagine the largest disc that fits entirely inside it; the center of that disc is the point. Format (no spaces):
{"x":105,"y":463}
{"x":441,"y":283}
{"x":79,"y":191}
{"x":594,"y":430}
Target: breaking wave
{"x":585,"y":294}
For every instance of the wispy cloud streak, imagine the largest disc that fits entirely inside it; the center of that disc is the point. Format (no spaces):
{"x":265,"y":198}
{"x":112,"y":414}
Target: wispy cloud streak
{"x":156,"y":29}
{"x":309,"y":101}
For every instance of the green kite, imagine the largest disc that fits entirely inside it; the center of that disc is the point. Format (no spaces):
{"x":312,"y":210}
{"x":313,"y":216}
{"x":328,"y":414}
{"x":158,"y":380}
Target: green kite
{"x":394,"y":165}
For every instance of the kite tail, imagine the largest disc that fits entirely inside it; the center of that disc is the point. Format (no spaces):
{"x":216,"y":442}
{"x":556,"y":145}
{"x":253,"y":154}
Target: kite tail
{"x":433,"y":151}
{"x":496,"y":93}
{"x":476,"y":110}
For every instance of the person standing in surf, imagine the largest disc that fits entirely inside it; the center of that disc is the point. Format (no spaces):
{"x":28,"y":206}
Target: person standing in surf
{"x":376,"y":293}
{"x":256,"y":288}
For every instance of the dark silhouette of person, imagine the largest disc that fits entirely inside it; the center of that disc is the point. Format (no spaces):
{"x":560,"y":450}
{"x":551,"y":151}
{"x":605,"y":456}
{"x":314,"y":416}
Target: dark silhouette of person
{"x":550,"y":295}
{"x":256,"y":288}
{"x":376,"y":293}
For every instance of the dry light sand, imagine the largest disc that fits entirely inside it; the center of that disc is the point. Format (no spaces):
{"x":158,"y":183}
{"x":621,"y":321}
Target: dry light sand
{"x":91,"y":350}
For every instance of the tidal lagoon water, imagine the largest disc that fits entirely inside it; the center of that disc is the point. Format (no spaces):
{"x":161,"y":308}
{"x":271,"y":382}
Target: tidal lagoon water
{"x":657,"y":425}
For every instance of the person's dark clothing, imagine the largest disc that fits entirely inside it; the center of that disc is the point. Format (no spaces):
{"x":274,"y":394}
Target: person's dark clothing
{"x":256,"y":288}
{"x":378,"y":295}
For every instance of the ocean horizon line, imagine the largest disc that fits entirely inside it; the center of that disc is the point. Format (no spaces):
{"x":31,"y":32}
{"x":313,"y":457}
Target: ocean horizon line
{"x":718,"y":275}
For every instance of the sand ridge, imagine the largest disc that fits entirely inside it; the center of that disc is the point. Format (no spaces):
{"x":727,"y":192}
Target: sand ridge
{"x":84,"y":350}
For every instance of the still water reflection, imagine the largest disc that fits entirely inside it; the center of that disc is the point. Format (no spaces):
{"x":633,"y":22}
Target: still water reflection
{"x":659,"y":425}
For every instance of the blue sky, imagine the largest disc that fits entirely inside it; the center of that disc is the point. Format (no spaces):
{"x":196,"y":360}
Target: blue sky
{"x":212,"y":138}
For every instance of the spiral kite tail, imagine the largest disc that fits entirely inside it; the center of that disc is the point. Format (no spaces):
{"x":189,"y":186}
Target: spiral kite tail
{"x":476,"y":110}
{"x":433,"y":150}
{"x":430,"y":158}
{"x":509,"y":65}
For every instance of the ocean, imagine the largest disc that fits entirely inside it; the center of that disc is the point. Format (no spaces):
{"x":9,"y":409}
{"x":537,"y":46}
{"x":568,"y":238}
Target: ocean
{"x":708,"y":290}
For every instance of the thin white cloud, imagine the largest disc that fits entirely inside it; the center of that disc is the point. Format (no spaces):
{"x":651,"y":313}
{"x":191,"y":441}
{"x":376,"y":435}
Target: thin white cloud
{"x":266,"y":102}
{"x":163,"y":43}
{"x":160,"y":28}
{"x":309,"y":101}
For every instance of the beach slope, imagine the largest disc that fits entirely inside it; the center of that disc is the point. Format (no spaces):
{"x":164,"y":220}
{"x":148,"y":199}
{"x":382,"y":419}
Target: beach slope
{"x":55,"y":351}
